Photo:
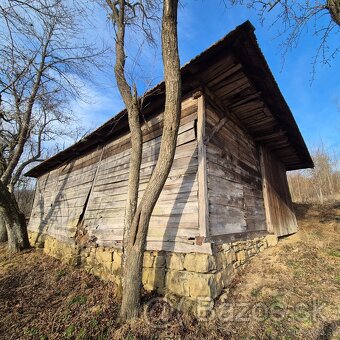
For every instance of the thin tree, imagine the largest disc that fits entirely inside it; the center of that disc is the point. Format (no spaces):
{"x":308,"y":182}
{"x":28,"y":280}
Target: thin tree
{"x":138,"y":215}
{"x":40,"y":56}
{"x":320,"y":183}
{"x":291,"y":18}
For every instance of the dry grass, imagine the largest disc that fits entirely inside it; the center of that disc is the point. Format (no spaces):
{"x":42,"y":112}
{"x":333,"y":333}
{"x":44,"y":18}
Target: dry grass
{"x":295,"y":280}
{"x":40,"y":297}
{"x":275,"y":298}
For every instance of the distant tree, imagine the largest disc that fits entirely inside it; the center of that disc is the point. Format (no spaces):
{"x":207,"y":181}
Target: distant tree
{"x":137,"y":216}
{"x":41,"y":54}
{"x":24,"y":194}
{"x":319,"y":184}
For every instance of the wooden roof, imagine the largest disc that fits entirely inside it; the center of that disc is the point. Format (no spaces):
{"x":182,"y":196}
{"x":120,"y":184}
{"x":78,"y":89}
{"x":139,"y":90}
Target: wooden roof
{"x":235,"y":75}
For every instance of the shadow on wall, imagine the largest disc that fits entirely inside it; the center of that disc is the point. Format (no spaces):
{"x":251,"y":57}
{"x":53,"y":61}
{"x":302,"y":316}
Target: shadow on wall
{"x":58,"y":214}
{"x":185,"y":189}
{"x":54,"y":206}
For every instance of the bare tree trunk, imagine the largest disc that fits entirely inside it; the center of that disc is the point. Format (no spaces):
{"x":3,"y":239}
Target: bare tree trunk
{"x":321,"y":195}
{"x":3,"y":231}
{"x":299,"y":188}
{"x":334,"y":9}
{"x":130,"y":99}
{"x":135,"y":245}
{"x":14,"y":221}
{"x":132,"y":275}
{"x":330,"y":185}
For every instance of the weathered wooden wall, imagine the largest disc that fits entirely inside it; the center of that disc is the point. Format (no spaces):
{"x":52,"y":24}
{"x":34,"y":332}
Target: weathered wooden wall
{"x":214,"y":189}
{"x":60,"y":197}
{"x":234,"y":179}
{"x":92,"y":190}
{"x":280,"y":215}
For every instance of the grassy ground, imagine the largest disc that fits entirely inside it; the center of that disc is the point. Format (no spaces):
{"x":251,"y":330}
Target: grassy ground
{"x":291,"y":291}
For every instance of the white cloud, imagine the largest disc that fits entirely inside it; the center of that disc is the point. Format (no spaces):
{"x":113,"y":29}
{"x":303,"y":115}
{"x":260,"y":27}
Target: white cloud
{"x":97,"y":106}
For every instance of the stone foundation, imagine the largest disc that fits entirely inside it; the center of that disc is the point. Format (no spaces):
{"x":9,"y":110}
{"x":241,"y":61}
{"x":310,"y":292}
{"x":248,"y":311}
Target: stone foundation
{"x":189,"y":281}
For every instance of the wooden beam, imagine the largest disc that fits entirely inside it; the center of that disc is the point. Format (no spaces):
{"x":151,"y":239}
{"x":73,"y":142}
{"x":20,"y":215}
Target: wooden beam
{"x":93,"y":183}
{"x":222,"y":110}
{"x":216,"y":128}
{"x":265,"y":190}
{"x":203,"y":203}
{"x":227,"y":238}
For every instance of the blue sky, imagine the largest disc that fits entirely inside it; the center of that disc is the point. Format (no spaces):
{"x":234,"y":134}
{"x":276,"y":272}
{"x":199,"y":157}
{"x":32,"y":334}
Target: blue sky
{"x":315,"y":105}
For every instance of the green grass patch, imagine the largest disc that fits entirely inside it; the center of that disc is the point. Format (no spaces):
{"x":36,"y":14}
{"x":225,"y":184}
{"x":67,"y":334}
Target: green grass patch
{"x":298,"y":270}
{"x":78,"y":299}
{"x":32,"y":331}
{"x":255,"y":292}
{"x":61,"y":273}
{"x":334,"y":253}
{"x":337,"y":279}
{"x":81,"y":334}
{"x":69,"y":331}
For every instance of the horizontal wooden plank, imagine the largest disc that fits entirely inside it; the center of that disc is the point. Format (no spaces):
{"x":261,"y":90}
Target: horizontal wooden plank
{"x":110,"y":201}
{"x":159,"y":211}
{"x":223,"y":187}
{"x":152,"y":137}
{"x":184,"y":162}
{"x":179,"y":247}
{"x":185,"y":221}
{"x":243,"y":236}
{"x":154,"y":234}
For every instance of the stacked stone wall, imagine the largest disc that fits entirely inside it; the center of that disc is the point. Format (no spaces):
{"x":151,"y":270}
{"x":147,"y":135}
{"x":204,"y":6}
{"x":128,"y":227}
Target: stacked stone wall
{"x":190,"y":281}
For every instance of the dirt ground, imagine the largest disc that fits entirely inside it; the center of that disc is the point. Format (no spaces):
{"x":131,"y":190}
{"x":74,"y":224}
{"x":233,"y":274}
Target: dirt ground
{"x":291,"y":291}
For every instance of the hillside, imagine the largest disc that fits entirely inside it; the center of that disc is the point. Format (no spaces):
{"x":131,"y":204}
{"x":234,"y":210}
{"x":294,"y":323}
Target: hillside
{"x":291,"y":291}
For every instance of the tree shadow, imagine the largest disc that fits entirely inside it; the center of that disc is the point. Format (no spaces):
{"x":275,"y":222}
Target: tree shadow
{"x":54,"y":205}
{"x":301,"y":209}
{"x":328,"y":328}
{"x":171,"y":230}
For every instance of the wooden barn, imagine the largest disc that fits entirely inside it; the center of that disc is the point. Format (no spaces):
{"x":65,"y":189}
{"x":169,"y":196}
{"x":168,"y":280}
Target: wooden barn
{"x":228,"y":183}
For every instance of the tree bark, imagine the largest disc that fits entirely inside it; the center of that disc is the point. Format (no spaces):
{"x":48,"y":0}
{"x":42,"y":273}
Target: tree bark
{"x":132,"y":274}
{"x":130,"y":99}
{"x":14,"y":221}
{"x":3,"y":231}
{"x":135,"y":246}
{"x":334,"y":10}
{"x":131,"y":102}
{"x":131,"y":260}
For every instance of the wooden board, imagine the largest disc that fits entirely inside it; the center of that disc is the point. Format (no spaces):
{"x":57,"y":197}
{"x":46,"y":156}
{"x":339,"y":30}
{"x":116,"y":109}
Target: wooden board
{"x":280,"y":215}
{"x":203,"y":201}
{"x":234,"y":179}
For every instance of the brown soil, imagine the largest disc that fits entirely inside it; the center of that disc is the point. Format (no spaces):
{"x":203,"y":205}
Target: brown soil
{"x":291,"y":291}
